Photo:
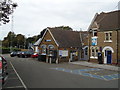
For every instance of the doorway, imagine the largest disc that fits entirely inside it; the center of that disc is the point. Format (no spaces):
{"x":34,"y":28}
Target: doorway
{"x":109,"y":56}
{"x":108,"y":51}
{"x":84,"y":53}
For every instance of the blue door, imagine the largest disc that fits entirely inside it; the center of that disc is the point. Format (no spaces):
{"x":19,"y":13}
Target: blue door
{"x":109,"y":57}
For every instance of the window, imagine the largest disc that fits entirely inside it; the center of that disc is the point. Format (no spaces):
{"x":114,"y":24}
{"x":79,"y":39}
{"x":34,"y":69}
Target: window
{"x":50,"y":50}
{"x":43,"y":49}
{"x":86,"y":51}
{"x":50,"y":47}
{"x":94,"y":52}
{"x":94,"y":33}
{"x":108,"y":36}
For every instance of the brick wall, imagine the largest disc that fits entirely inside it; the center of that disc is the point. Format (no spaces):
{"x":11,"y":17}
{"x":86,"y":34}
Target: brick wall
{"x":118,"y":44}
{"x":48,"y":37}
{"x":113,"y":44}
{"x":102,"y":44}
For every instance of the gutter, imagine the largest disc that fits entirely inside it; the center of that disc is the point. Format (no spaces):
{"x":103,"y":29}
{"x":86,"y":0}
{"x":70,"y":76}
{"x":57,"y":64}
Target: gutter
{"x":117,"y":45}
{"x":89,"y":39}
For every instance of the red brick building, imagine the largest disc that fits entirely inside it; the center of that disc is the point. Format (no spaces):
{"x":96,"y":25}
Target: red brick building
{"x":58,"y":45}
{"x":104,"y":38}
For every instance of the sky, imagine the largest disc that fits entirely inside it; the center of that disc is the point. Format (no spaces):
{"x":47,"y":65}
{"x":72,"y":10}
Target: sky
{"x":32,"y":16}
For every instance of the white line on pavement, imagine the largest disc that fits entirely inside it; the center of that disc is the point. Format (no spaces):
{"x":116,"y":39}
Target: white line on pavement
{"x":15,"y":87}
{"x":19,"y":77}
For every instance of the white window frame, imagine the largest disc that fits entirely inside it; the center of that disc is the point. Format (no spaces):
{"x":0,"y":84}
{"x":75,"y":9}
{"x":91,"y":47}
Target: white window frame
{"x":95,"y":55}
{"x":43,"y":51}
{"x":49,"y":47}
{"x":109,"y":37}
{"x":94,"y":33}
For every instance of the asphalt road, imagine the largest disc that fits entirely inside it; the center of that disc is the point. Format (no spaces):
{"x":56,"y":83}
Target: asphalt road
{"x":31,"y":73}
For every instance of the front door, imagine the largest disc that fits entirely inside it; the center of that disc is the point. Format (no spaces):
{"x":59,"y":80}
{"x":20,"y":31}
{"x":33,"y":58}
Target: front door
{"x":109,"y":57}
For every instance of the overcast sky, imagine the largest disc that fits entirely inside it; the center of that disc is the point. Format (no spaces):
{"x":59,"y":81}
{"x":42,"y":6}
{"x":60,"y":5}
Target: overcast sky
{"x":32,"y":16}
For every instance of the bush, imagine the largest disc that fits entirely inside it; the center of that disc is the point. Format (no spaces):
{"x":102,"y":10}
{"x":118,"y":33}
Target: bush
{"x":7,"y":50}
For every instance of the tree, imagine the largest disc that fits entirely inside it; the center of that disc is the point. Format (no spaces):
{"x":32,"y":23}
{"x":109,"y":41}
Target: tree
{"x":6,"y":8}
{"x":9,"y":40}
{"x":20,"y":40}
{"x":65,"y":27}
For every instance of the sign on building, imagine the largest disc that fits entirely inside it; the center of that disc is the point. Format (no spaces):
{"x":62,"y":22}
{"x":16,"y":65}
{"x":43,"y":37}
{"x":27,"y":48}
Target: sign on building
{"x":94,"y":41}
{"x":63,"y":53}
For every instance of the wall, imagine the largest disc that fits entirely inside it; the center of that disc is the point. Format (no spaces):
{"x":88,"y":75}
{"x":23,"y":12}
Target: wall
{"x":118,"y":44}
{"x":48,"y":37}
{"x":66,"y":59}
{"x":113,"y":44}
{"x":102,"y":44}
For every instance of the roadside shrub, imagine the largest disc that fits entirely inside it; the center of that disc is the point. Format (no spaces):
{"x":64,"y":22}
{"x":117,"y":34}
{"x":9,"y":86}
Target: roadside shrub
{"x":7,"y":50}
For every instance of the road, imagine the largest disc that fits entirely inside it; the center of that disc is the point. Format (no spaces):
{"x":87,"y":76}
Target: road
{"x":31,"y":73}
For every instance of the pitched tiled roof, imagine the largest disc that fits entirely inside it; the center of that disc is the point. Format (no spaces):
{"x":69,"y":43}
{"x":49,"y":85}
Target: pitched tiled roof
{"x":108,"y":21}
{"x":66,"y":38}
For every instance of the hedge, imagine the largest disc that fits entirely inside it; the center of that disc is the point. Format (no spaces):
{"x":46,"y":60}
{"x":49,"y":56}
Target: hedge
{"x":7,"y":50}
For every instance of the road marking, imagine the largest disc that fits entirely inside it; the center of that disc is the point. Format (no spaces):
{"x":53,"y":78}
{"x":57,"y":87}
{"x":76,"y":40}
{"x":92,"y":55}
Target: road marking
{"x":15,"y":87}
{"x":19,"y":77}
{"x":83,"y":72}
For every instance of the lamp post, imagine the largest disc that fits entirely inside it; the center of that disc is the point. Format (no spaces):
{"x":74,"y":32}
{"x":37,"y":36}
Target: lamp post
{"x":12,"y":5}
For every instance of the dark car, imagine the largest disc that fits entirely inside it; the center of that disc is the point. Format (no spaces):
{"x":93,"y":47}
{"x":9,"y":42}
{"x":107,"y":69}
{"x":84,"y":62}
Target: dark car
{"x":25,"y":54}
{"x":19,"y":53}
{"x":3,"y":69}
{"x":29,"y":53}
{"x":12,"y":54}
{"x":22,"y":54}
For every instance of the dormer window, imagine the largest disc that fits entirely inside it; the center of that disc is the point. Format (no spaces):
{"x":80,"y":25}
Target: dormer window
{"x":94,"y":33}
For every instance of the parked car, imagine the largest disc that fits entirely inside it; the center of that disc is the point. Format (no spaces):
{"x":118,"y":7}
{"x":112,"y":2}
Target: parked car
{"x":12,"y":54}
{"x":35,"y":55}
{"x":25,"y":54}
{"x":29,"y":53}
{"x":3,"y":69}
{"x":18,"y":53}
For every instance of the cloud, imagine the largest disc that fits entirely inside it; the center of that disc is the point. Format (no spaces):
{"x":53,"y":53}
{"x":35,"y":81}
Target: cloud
{"x":32,"y":16}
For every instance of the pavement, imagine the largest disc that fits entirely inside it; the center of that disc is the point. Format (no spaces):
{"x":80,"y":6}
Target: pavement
{"x":102,"y":66}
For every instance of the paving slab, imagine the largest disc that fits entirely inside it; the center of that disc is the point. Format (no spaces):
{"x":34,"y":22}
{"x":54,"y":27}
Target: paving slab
{"x":103,"y":66}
